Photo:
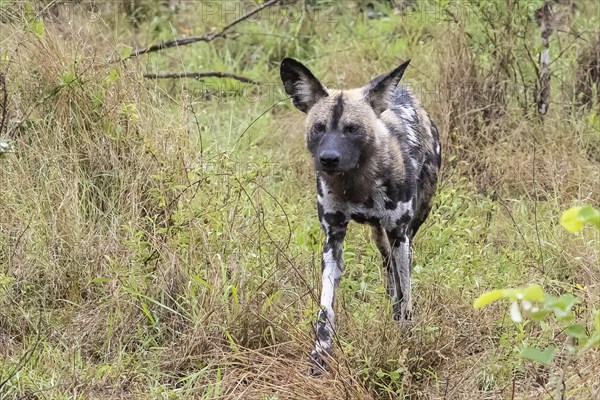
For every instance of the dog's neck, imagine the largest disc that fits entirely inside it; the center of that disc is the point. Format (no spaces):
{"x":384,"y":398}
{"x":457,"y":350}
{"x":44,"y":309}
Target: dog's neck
{"x":354,"y":186}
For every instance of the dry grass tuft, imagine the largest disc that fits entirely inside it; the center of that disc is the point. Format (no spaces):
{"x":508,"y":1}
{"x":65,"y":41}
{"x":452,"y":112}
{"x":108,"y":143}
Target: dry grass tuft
{"x":281,"y":373}
{"x":587,"y":75}
{"x":471,"y":104}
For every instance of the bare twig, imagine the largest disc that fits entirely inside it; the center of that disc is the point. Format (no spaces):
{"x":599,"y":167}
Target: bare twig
{"x":544,"y":17}
{"x":256,"y":119}
{"x":204,"y":38}
{"x":4,"y":118}
{"x":199,"y":75}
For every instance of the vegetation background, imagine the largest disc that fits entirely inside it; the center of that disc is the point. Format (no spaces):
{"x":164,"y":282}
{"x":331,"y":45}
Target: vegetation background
{"x":159,"y":238}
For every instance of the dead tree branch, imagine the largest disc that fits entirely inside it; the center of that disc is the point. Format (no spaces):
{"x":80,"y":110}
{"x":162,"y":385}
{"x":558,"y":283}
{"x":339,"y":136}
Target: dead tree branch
{"x":4,"y":117}
{"x":204,"y":38}
{"x":544,"y":18}
{"x":200,"y":75}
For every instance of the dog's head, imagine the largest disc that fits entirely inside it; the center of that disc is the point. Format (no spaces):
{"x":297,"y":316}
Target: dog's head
{"x":341,"y":125}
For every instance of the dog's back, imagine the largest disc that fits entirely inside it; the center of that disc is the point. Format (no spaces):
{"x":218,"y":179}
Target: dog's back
{"x":419,"y":139}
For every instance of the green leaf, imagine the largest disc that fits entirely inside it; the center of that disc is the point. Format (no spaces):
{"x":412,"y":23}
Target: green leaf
{"x":130,"y":110}
{"x":5,"y":57}
{"x":5,"y":279}
{"x":37,"y":27}
{"x":561,"y":305}
{"x":29,"y":8}
{"x":113,"y":75}
{"x":431,"y":329}
{"x":575,"y":218}
{"x":532,"y":293}
{"x":595,"y":339}
{"x":395,"y":375}
{"x":570,"y":220}
{"x":591,"y":215}
{"x":488,"y":297}
{"x":544,"y":357}
{"x":67,"y":78}
{"x":593,"y":342}
{"x":539,"y":315}
{"x":126,"y":52}
{"x":148,"y":314}
{"x":576,"y":330}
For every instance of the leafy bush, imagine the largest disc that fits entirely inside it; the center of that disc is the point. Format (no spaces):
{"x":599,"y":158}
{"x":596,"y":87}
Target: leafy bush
{"x":533,"y":305}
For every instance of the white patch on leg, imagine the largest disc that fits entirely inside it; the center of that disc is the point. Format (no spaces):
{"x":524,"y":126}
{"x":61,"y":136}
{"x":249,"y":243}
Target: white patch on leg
{"x":331,"y":275}
{"x":403,"y":265}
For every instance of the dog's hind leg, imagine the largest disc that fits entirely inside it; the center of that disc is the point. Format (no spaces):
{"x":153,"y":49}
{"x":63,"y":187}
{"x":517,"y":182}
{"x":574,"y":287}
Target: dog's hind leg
{"x":383,"y":244}
{"x":402,"y":255}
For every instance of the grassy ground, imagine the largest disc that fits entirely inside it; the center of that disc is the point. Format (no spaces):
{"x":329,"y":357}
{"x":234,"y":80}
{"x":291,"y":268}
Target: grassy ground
{"x":159,"y":239}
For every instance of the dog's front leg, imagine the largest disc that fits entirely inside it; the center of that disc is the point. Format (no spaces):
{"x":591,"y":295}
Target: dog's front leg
{"x":332,"y":268}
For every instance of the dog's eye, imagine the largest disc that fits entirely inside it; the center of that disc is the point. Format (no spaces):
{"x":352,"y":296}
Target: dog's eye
{"x":351,"y":128}
{"x":319,"y":127}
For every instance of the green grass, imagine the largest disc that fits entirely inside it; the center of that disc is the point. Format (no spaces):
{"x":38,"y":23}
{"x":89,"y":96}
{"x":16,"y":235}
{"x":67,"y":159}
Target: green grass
{"x":161,"y":241}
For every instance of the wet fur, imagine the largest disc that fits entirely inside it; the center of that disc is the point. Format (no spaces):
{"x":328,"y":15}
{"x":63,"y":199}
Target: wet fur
{"x":386,"y":177}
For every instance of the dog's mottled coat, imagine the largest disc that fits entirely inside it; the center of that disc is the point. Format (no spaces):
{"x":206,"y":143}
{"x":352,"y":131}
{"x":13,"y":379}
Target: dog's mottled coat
{"x":377,"y":155}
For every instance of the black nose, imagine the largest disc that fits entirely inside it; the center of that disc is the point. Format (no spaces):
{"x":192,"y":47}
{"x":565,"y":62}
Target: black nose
{"x":329,"y":158}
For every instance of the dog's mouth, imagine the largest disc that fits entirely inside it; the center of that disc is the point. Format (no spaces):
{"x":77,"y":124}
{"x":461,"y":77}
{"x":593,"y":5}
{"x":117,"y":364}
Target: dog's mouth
{"x":337,"y":171}
{"x":332,"y":172}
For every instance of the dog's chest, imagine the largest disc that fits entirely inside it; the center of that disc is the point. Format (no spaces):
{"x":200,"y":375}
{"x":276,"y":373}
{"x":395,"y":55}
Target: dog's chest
{"x":377,"y":210}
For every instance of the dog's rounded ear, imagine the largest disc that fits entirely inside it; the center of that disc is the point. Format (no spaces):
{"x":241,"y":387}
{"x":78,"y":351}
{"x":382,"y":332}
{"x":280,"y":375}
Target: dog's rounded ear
{"x":379,"y":92}
{"x":304,"y":89}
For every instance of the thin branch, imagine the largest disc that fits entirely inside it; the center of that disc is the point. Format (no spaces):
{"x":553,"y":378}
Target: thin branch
{"x":4,"y":118}
{"x":562,"y":52}
{"x":204,"y":38}
{"x":199,"y":75}
{"x":256,"y":119}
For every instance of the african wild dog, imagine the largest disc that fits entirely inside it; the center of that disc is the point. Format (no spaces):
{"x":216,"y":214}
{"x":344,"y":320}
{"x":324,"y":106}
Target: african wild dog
{"x":377,"y":155}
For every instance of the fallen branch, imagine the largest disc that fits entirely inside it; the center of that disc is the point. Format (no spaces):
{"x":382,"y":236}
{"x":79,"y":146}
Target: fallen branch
{"x":204,"y":38}
{"x":199,"y":75}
